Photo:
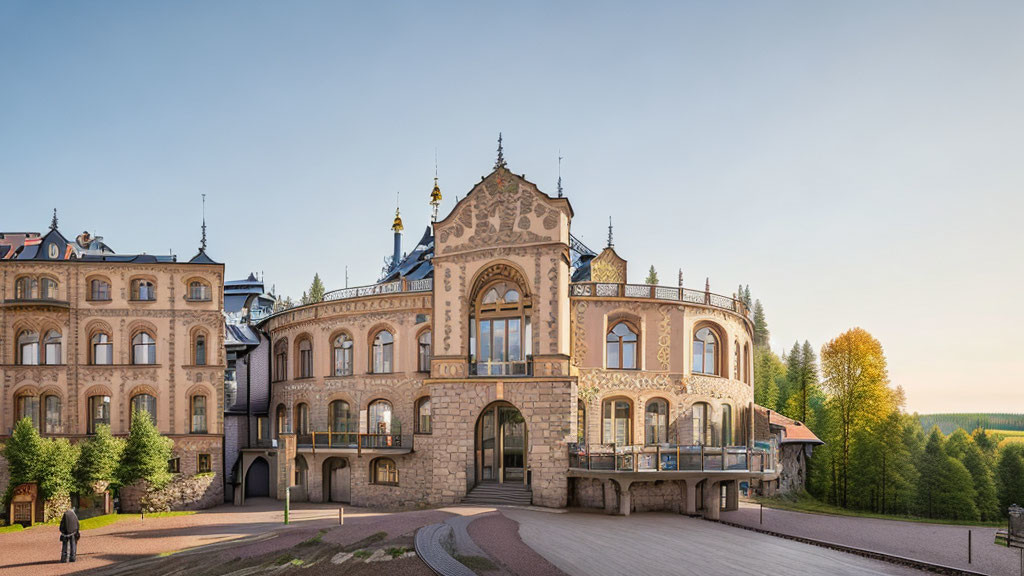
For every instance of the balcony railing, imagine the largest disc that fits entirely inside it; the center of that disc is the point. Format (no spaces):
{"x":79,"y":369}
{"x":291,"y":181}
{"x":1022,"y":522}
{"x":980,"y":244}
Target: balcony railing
{"x":524,"y":369}
{"x":668,"y":458}
{"x":648,"y":292}
{"x":353,"y":440}
{"x":395,"y":287}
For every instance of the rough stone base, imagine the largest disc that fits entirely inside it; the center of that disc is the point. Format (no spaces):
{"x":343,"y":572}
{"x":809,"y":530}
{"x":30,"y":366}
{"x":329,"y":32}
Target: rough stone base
{"x":586,"y":493}
{"x":183,"y":493}
{"x":658,"y":496}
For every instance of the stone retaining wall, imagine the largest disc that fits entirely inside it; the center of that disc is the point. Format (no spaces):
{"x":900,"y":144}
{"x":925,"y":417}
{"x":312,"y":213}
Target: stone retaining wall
{"x":196,"y":492}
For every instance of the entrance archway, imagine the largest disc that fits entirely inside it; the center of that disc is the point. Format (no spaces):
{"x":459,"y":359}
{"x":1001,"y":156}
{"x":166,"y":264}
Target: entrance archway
{"x":501,"y":441}
{"x":337,"y":480}
{"x":257,"y":479}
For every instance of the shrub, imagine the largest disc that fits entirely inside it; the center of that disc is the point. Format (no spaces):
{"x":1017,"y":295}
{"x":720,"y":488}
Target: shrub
{"x":145,"y":454}
{"x":98,"y":461}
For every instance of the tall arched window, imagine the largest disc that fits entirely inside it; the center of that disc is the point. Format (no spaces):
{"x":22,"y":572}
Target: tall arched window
{"x":727,"y":425}
{"x":746,"y":363}
{"x":622,"y":347}
{"x":383,"y":352}
{"x":617,"y":422}
{"x":423,"y":422}
{"x":51,"y":348}
{"x":281,"y":360}
{"x":737,"y":373}
{"x":705,"y":352}
{"x":143,"y":290}
{"x":305,"y":358}
{"x":281,"y":420}
{"x":28,"y":348}
{"x":144,"y":403}
{"x":380,"y":417}
{"x":340,"y":418}
{"x":656,"y":422}
{"x":581,"y":421}
{"x":423,"y":352}
{"x":99,"y":412}
{"x":28,"y":407}
{"x":500,"y":332}
{"x":700,"y":416}
{"x":200,"y":350}
{"x":102,"y":349}
{"x":49,"y":289}
{"x":383,"y":471}
{"x":99,"y":290}
{"x":197,"y":411}
{"x":302,"y":418}
{"x":343,"y":355}
{"x":52,"y":418}
{"x":143,"y":349}
{"x":26,"y":288}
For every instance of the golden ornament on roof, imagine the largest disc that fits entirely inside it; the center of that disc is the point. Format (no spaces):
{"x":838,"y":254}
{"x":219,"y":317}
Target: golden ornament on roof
{"x":397,"y":224}
{"x":435,"y":195}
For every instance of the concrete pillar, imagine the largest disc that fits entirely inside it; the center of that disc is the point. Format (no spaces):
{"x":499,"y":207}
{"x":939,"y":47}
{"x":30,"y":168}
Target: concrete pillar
{"x":690,"y":498}
{"x":625,"y":503}
{"x":732,"y":495}
{"x":611,"y":500}
{"x":712,"y":500}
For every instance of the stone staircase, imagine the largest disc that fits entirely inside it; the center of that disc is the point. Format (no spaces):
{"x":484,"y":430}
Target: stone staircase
{"x":493,"y":493}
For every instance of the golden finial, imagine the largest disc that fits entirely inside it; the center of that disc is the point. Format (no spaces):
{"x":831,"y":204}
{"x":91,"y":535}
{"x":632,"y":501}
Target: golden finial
{"x":397,"y":224}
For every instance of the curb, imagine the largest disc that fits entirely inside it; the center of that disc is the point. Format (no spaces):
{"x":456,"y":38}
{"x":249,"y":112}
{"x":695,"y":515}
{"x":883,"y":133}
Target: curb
{"x":884,"y":557}
{"x":429,"y":544}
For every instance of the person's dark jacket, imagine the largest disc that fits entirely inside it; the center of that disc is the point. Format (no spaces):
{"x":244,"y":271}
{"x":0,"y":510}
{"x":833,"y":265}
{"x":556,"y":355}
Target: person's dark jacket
{"x":69,"y":524}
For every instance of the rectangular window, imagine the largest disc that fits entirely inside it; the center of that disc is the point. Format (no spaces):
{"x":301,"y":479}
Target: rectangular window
{"x":174,"y":465}
{"x":99,"y":412}
{"x":52,"y":353}
{"x":204,"y":463}
{"x":199,"y":414}
{"x":306,"y":361}
{"x":30,"y":354}
{"x":28,"y":407}
{"x":103,"y":353}
{"x":53,"y":423}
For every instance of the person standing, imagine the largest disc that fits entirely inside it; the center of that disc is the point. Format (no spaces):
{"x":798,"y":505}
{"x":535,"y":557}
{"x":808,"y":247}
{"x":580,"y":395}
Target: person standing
{"x":69,"y":536}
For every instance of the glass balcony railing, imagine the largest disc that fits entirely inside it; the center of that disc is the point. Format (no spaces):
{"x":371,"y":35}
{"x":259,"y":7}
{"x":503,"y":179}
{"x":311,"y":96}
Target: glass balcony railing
{"x":671,"y":458}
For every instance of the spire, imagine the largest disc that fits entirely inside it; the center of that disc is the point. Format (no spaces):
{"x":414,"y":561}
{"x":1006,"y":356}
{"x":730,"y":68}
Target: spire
{"x":610,"y":243}
{"x":53,"y":223}
{"x":202,"y":243}
{"x":435,"y":194}
{"x":500,"y":162}
{"x":560,"y":194}
{"x":396,"y":255}
{"x":680,"y":277}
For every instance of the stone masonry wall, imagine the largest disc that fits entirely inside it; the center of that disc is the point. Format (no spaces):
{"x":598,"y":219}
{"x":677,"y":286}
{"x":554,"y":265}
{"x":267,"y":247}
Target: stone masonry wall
{"x":586,"y":493}
{"x":659,"y":496}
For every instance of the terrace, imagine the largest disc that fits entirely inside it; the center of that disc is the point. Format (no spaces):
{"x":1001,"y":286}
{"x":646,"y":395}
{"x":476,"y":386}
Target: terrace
{"x":671,"y":460}
{"x":660,"y":293}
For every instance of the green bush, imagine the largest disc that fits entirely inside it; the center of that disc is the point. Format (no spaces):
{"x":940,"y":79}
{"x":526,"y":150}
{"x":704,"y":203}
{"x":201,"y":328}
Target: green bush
{"x":145,"y":454}
{"x":55,"y":468}
{"x":98,"y":461}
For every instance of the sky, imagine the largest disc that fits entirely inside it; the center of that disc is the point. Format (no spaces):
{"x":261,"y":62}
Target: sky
{"x":857,"y":164}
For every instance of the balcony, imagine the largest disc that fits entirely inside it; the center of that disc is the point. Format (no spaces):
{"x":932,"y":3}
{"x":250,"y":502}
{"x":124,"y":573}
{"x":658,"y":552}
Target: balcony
{"x":503,"y":369}
{"x":660,"y":293}
{"x":665,"y":459}
{"x":36,"y":302}
{"x":396,"y":287}
{"x":349,"y":442}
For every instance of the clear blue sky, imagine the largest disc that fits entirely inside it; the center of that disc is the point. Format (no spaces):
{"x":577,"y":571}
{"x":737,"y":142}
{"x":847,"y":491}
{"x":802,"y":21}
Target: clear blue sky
{"x":856,"y":164}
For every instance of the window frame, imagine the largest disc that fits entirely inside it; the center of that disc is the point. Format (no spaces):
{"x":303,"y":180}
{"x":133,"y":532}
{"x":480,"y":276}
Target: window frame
{"x":204,"y":463}
{"x":132,"y":408}
{"x":614,"y":419}
{"x":199,"y":291}
{"x":150,"y":346}
{"x":91,"y":420}
{"x":34,"y":347}
{"x":421,"y":402}
{"x":58,"y":425}
{"x":716,"y":353}
{"x":93,"y":344}
{"x":382,"y":351}
{"x":489,"y":312}
{"x":33,"y":411}
{"x":702,"y":436}
{"x":375,"y":422}
{"x":342,"y":343}
{"x":142,"y":287}
{"x":198,"y":402}
{"x":390,"y":469}
{"x":97,"y":287}
{"x":304,"y":352}
{"x":662,"y":426}
{"x":620,"y":342}
{"x":423,"y":350}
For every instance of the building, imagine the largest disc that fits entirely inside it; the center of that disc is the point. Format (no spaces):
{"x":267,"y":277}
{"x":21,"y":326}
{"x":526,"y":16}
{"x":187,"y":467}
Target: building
{"x":86,"y":335}
{"x":502,"y":359}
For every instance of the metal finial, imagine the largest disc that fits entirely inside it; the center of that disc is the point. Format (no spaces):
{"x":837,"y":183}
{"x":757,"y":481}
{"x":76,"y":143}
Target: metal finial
{"x":202,"y":243}
{"x":610,"y":243}
{"x":435,"y":194}
{"x":560,"y":194}
{"x":396,"y":225}
{"x":500,"y":163}
{"x":680,"y":277}
{"x":53,"y":223}
{"x":707,"y":284}
{"x":346,"y":275}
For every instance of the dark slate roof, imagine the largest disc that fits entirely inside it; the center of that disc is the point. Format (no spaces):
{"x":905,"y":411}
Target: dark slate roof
{"x":136,"y":258}
{"x":418,"y":263}
{"x":202,"y":258}
{"x":240,"y":335}
{"x":3,"y":251}
{"x":40,"y":250}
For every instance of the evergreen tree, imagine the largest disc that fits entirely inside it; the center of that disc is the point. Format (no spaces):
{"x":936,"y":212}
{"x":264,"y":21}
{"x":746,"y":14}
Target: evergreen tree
{"x":652,"y":277}
{"x":316,"y":290}
{"x":986,"y":499}
{"x":146,"y":454}
{"x":761,"y":333}
{"x":746,"y":297}
{"x":98,"y":461}
{"x":946,"y":489}
{"x":988,"y":446}
{"x":304,"y":300}
{"x":1010,"y":477}
{"x":23,"y":452}
{"x":769,"y":371}
{"x":55,"y":468}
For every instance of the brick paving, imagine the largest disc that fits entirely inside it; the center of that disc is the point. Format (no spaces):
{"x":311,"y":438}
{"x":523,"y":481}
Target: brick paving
{"x":935,"y":543}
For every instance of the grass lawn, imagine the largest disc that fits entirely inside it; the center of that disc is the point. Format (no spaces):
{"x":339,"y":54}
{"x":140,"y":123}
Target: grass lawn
{"x":806,"y":503}
{"x":12,"y":528}
{"x":108,"y":519}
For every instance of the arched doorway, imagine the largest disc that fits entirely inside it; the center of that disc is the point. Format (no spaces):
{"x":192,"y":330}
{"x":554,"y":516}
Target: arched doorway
{"x":257,"y":479}
{"x":501,"y":445}
{"x":299,"y":487}
{"x":337,"y":480}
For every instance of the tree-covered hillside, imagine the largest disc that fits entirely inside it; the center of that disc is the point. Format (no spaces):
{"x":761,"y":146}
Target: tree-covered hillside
{"x":950,"y":422}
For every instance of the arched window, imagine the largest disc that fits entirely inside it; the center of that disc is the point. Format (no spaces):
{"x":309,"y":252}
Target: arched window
{"x":143,"y":349}
{"x":144,"y":403}
{"x":301,"y":418}
{"x":381,"y":414}
{"x":581,"y":421}
{"x":656,"y":422}
{"x":343,"y":355}
{"x":49,"y":289}
{"x":281,"y":360}
{"x":28,"y":407}
{"x":727,"y":425}
{"x":500,"y":332}
{"x":700,"y":415}
{"x":99,"y":412}
{"x":383,"y":471}
{"x":52,"y":422}
{"x":99,"y":290}
{"x":617,"y":422}
{"x":305,"y":358}
{"x":746,"y":363}
{"x":200,"y":349}
{"x":383,"y":352}
{"x":340,"y":420}
{"x":143,"y":290}
{"x":423,"y":354}
{"x":198,"y":291}
{"x":102,"y":349}
{"x":423,"y":415}
{"x":28,"y":348}
{"x":26,"y":288}
{"x":51,"y":348}
{"x":736,"y":370}
{"x":705,"y":352}
{"x":281,"y":420}
{"x":622,"y":347}
{"x":197,"y":411}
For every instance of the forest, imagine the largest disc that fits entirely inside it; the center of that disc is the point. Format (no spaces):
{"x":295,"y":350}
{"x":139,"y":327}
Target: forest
{"x":877,"y":457}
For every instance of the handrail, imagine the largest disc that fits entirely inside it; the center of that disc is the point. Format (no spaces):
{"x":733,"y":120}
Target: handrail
{"x":393,"y":287}
{"x":650,"y":292}
{"x":671,"y":458}
{"x":357,"y":440}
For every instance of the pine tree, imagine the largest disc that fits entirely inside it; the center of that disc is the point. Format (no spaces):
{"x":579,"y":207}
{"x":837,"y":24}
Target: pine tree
{"x":316,"y":290}
{"x":652,"y":277}
{"x":145,"y":454}
{"x":768,"y":372}
{"x":986,"y":500}
{"x":761,"y":333}
{"x":746,"y":296}
{"x":1010,"y":476}
{"x":946,"y":489}
{"x":98,"y":461}
{"x":304,"y":300}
